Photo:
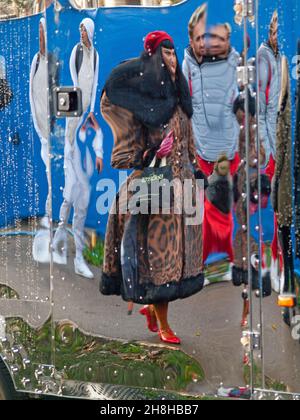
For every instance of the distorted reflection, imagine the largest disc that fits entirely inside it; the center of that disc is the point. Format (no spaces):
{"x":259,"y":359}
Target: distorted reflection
{"x":93,"y":4}
{"x":84,"y":67}
{"x":149,"y":116}
{"x":10,"y":9}
{"x":5,"y":90}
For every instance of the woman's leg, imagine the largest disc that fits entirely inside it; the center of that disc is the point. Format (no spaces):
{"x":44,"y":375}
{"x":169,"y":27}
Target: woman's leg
{"x":165,"y":332}
{"x":161,"y":311}
{"x":152,"y":313}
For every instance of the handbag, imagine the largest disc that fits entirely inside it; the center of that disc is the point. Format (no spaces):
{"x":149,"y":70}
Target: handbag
{"x":156,"y":190}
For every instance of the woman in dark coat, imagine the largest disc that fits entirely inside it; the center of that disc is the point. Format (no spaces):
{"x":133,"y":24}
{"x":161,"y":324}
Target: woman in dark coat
{"x":282,"y":189}
{"x":147,"y":104}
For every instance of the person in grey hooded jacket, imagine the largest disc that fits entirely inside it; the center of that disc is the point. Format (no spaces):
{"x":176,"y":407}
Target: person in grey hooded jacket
{"x":210,"y":66}
{"x":269,"y":67}
{"x":270,"y":83}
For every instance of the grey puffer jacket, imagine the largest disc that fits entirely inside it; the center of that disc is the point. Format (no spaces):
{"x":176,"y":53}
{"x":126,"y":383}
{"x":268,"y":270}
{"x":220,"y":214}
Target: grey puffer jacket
{"x":214,"y":89}
{"x":270,"y":87}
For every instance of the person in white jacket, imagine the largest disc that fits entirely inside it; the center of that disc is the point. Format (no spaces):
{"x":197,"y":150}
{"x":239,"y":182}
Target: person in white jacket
{"x":84,"y":67}
{"x":38,"y":96}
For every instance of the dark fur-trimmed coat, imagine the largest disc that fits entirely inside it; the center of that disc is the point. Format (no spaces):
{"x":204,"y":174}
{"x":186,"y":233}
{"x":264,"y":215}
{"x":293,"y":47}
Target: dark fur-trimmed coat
{"x":282,"y":199}
{"x":166,"y":252}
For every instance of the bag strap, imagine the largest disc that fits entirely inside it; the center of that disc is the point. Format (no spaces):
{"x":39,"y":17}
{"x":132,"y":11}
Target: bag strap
{"x":78,"y":58}
{"x":37,"y":63}
{"x":163,"y":162}
{"x":153,"y":163}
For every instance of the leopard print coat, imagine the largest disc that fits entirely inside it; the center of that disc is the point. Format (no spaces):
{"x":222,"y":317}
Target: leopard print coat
{"x":169,"y":250}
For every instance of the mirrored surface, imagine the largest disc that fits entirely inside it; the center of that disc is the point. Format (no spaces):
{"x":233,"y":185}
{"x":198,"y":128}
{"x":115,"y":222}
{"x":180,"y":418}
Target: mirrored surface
{"x":67,"y":151}
{"x":82,"y":198}
{"x":94,"y":4}
{"x":277,"y":58}
{"x":24,"y":283}
{"x":12,"y":9}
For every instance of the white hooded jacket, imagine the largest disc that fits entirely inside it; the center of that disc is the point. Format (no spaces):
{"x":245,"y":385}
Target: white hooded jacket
{"x":87,"y":78}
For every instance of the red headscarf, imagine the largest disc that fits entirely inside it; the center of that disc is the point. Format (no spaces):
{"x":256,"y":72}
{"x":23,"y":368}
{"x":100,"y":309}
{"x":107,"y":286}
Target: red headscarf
{"x":154,"y":39}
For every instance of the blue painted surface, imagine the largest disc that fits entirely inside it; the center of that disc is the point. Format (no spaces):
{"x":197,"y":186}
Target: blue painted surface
{"x":22,"y":177}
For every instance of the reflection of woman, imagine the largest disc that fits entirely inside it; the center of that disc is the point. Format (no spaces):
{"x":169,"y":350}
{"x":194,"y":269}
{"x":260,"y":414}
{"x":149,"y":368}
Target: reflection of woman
{"x":282,"y":183}
{"x":84,"y":68}
{"x":240,"y":269}
{"x":144,"y":100}
{"x":38,"y":95}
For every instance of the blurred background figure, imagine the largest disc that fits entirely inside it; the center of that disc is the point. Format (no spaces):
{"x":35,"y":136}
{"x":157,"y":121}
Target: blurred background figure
{"x":84,"y":67}
{"x":210,"y":67}
{"x":6,"y":94}
{"x":43,"y":74}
